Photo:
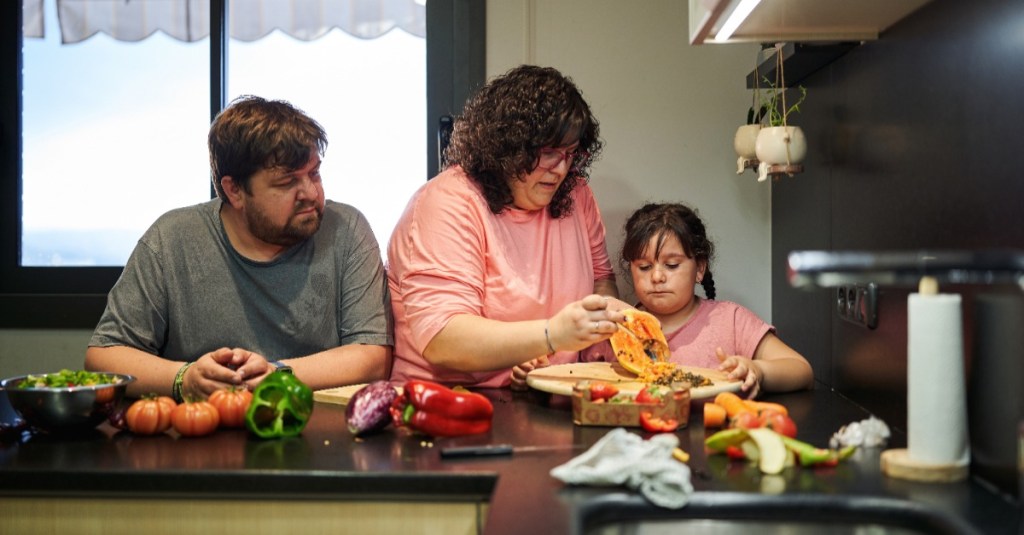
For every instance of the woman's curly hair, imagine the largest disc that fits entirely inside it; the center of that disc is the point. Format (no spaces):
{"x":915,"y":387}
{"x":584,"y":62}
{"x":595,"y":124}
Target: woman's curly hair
{"x":663,"y":220}
{"x":504,"y":125}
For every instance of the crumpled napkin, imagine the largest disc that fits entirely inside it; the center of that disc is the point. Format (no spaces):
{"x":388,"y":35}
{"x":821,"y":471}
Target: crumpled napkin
{"x":869,"y":433}
{"x":623,"y":458}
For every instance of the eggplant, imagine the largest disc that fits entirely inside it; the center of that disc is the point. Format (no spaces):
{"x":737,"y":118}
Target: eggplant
{"x":369,"y":408}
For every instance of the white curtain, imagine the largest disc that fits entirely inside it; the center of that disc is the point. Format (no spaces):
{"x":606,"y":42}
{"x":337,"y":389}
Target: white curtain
{"x":249,"y":20}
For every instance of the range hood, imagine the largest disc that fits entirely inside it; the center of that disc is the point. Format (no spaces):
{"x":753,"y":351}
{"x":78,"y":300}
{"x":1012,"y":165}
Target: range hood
{"x":773,"y":21}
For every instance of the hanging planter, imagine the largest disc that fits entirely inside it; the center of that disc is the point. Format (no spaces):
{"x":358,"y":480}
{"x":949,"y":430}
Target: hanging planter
{"x":745,"y":141}
{"x":780,"y":147}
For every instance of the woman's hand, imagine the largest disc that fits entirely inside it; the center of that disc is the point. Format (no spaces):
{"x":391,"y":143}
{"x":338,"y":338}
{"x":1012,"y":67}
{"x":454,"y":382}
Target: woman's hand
{"x":520,"y":372}
{"x":583,"y":323}
{"x":742,"y":369}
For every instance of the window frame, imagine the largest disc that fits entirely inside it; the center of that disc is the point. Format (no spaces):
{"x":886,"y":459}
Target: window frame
{"x":74,"y":297}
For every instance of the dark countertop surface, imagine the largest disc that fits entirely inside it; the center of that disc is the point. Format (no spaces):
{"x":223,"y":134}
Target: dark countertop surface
{"x":327,"y":462}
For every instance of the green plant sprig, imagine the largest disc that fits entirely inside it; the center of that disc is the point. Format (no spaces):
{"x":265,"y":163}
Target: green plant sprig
{"x":774,"y":114}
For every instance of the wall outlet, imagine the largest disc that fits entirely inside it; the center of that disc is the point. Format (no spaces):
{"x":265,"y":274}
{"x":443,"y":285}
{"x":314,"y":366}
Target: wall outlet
{"x":858,"y":304}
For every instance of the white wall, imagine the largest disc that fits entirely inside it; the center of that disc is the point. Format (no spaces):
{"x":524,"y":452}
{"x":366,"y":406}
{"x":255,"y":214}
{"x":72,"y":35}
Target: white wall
{"x":668,"y":113}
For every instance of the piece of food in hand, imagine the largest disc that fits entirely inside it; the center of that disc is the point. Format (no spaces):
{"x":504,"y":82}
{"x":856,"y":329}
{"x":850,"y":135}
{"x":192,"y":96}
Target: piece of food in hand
{"x":369,"y":408}
{"x":639,"y":341}
{"x":439,"y":411}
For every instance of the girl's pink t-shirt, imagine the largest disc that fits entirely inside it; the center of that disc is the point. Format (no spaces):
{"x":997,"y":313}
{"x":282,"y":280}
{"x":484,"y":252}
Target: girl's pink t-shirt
{"x":450,"y":255}
{"x":734,"y":328}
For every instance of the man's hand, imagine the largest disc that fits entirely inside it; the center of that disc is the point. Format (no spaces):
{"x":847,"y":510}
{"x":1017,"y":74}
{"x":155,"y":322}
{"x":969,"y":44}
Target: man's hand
{"x":224,"y":368}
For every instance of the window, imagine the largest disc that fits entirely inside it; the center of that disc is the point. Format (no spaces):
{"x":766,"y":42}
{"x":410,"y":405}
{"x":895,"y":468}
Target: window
{"x":43,"y":288}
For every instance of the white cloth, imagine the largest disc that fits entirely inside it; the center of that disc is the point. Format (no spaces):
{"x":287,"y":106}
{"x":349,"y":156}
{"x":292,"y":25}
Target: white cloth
{"x":869,"y":433}
{"x":623,"y":458}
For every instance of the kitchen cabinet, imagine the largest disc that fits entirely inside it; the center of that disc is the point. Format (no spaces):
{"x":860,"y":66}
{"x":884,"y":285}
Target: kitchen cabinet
{"x":800,"y":20}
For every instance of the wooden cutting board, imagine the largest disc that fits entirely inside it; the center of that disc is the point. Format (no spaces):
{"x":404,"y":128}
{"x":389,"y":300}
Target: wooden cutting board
{"x":340,"y":395}
{"x":560,"y":378}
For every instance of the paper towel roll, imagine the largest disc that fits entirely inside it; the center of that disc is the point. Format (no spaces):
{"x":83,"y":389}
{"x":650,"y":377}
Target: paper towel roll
{"x":936,"y":397}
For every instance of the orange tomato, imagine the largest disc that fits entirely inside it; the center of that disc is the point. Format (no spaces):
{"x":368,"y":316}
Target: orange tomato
{"x":195,"y":418}
{"x":231,"y":404}
{"x":150,"y":415}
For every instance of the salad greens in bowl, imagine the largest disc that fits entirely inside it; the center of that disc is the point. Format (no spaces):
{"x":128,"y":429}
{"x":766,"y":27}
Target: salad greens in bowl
{"x":66,"y":401}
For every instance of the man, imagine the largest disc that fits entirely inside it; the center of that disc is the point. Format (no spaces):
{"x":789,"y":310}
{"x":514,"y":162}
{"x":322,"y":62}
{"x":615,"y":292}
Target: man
{"x":268,"y":274}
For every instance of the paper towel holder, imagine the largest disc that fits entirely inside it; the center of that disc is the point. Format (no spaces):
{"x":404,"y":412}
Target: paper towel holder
{"x":899,"y":463}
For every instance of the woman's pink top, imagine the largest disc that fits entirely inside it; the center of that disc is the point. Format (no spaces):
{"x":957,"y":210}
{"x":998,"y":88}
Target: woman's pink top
{"x":734,"y":328}
{"x":450,"y":255}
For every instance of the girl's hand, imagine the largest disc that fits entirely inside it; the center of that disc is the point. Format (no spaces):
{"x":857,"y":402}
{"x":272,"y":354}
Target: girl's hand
{"x":519,"y":372}
{"x":742,"y":369}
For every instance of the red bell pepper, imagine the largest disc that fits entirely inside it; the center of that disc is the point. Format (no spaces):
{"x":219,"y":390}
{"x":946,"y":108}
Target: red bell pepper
{"x":439,"y":411}
{"x":654,"y":424}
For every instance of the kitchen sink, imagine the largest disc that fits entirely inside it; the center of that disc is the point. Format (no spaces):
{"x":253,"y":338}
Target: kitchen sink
{"x":726,"y":513}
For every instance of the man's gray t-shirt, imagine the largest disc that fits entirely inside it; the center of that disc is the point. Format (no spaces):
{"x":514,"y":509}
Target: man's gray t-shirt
{"x":185,"y":291}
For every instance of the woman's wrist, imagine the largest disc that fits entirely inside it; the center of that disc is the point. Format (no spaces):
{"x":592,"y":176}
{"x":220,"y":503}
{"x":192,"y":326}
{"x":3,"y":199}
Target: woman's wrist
{"x":547,"y":337}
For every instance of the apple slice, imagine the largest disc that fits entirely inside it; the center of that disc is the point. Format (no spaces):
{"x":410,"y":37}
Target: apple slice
{"x":771,"y":449}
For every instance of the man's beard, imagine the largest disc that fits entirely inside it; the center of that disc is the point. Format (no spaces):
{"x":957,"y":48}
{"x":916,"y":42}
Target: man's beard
{"x":293,"y":232}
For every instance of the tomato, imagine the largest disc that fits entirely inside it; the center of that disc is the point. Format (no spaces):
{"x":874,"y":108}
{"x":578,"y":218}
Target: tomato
{"x":231,"y":404}
{"x":778,"y":422}
{"x":600,"y":391}
{"x":654,"y":424}
{"x":195,"y":418}
{"x":745,"y":420}
{"x":651,"y":394}
{"x":150,"y":415}
{"x":735,"y":452}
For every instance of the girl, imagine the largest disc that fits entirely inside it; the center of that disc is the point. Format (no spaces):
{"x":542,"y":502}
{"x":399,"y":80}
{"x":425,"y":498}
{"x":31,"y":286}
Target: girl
{"x":667,"y":252}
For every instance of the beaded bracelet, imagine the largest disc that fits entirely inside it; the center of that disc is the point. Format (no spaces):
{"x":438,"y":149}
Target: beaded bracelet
{"x":547,"y":338}
{"x":178,"y":380}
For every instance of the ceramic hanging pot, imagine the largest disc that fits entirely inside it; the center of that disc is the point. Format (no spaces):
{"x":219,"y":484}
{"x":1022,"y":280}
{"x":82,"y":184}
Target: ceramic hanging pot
{"x":779,"y":145}
{"x":745,"y":145}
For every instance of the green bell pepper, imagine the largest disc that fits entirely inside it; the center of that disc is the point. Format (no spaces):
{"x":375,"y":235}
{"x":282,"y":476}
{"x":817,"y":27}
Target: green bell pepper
{"x":281,"y":406}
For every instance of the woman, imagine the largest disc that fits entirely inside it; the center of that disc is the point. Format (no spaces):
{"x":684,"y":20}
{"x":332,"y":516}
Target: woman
{"x":500,"y":261}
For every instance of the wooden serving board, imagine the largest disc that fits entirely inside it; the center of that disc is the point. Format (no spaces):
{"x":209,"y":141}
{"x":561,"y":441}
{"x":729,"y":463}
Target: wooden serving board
{"x":340,"y":395}
{"x":560,"y":378}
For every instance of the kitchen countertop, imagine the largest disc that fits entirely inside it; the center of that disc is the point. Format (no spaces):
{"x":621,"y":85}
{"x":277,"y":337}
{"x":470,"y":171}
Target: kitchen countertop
{"x":326,"y":462}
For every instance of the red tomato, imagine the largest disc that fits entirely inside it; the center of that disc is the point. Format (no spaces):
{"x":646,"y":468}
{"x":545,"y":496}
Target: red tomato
{"x":600,"y":390}
{"x":150,"y":415}
{"x":195,"y":418}
{"x":778,"y":422}
{"x":653,"y":424}
{"x":651,"y":394}
{"x":746,"y":420}
{"x":231,"y":404}
{"x":735,"y":452}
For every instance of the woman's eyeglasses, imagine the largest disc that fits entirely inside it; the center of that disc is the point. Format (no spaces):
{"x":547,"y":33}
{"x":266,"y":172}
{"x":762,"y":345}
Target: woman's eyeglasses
{"x":550,"y":158}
